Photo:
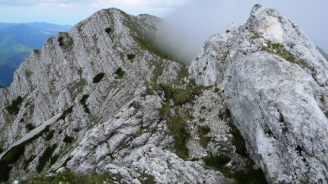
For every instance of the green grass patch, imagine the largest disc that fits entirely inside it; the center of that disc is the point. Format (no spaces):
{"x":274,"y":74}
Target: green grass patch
{"x":139,"y":132}
{"x":183,"y":73}
{"x":69,"y":177}
{"x":98,"y":78}
{"x":83,"y":101}
{"x":204,"y":139}
{"x":146,"y":45}
{"x":120,"y":73}
{"x":45,"y":157}
{"x":177,"y":128}
{"x":279,"y":49}
{"x":178,"y":95}
{"x":158,"y":70}
{"x":15,"y":106}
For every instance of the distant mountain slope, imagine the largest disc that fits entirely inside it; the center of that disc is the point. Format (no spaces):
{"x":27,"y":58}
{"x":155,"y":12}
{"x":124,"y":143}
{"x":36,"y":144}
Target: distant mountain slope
{"x":18,"y":40}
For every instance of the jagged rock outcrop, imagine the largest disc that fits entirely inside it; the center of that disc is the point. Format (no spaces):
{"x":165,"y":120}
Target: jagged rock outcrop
{"x":101,"y":99}
{"x":275,"y":84}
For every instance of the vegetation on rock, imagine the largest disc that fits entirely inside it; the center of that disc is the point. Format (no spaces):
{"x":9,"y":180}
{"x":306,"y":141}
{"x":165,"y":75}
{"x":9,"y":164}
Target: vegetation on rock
{"x":120,"y":73}
{"x":69,"y":177}
{"x":15,"y":106}
{"x":45,"y":157}
{"x":98,"y":78}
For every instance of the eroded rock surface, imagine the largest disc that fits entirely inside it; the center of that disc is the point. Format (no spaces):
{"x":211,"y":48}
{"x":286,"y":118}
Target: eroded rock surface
{"x":101,"y":99}
{"x":275,"y":85}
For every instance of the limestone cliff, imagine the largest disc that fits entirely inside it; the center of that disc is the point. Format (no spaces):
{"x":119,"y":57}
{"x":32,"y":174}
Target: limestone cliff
{"x":101,"y":100}
{"x":275,"y":84}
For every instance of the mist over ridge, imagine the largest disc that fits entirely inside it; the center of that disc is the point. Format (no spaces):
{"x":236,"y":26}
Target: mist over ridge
{"x":182,"y":33}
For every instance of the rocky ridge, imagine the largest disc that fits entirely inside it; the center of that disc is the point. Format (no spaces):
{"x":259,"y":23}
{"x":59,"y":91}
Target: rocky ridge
{"x":101,"y":99}
{"x":275,"y":85}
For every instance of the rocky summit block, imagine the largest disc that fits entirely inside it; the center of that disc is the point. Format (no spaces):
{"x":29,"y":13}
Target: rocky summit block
{"x":275,"y":85}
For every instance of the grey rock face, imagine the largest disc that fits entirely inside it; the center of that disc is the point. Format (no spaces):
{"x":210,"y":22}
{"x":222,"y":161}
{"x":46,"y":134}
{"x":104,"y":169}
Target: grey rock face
{"x":275,"y":85}
{"x":82,"y":103}
{"x":100,"y":98}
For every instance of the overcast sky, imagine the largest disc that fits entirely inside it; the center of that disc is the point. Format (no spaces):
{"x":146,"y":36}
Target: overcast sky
{"x":72,"y":11}
{"x":311,"y":16}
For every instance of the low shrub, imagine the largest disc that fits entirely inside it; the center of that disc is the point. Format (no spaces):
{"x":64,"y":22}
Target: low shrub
{"x":120,"y":73}
{"x":60,"y":40}
{"x":29,"y":127}
{"x":68,"y":139}
{"x":131,"y":56}
{"x":45,"y":157}
{"x":204,"y":139}
{"x":15,"y":106}
{"x":98,"y":77}
{"x":83,"y":101}
{"x":66,"y":113}
{"x":108,"y":30}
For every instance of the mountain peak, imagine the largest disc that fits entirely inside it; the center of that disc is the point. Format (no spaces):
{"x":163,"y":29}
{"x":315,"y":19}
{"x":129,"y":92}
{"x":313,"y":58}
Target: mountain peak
{"x":274,"y":80}
{"x":251,"y":107}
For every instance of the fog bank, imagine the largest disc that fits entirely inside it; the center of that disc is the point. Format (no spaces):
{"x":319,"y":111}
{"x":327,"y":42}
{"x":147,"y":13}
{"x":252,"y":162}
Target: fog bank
{"x":183,"y":33}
